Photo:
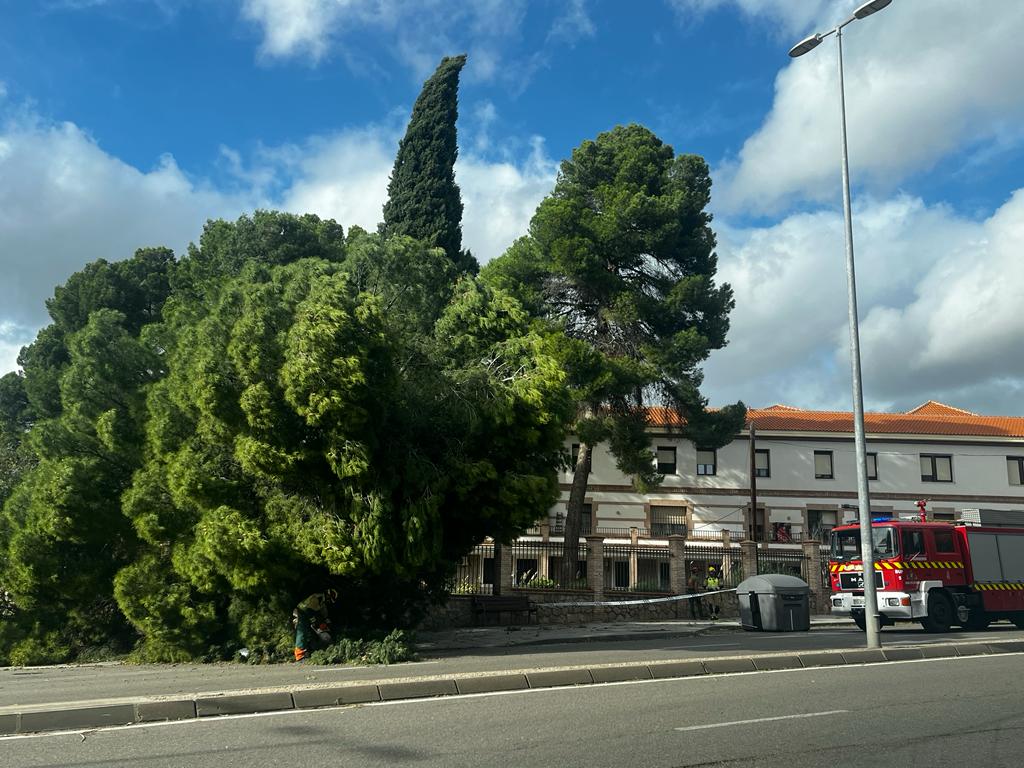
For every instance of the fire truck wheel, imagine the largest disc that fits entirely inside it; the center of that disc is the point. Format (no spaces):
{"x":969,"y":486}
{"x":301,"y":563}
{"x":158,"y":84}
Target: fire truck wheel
{"x":861,"y":622}
{"x":940,"y":613}
{"x":1018,"y":621}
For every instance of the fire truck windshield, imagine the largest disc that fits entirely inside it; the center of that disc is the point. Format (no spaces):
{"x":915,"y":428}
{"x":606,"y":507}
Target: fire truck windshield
{"x":846,"y":544}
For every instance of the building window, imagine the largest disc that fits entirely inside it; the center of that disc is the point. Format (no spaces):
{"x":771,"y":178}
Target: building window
{"x":820,"y":523}
{"x":706,"y":462}
{"x":1015,"y":470}
{"x":936,"y":469}
{"x":621,"y":575}
{"x":762,"y":463}
{"x":944,"y":541}
{"x":872,"y":466}
{"x":823,"y":465}
{"x":668,"y":521}
{"x":666,"y":460}
{"x":585,"y":521}
{"x":913,"y":543}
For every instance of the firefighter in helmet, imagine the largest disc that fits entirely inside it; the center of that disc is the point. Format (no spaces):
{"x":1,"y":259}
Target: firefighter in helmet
{"x":312,"y":623}
{"x":712,"y":584}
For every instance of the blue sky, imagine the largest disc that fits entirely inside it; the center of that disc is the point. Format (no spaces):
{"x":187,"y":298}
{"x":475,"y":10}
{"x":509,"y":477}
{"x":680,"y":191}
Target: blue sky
{"x":130,"y":122}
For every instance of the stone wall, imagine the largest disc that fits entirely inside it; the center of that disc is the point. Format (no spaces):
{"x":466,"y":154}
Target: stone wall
{"x":551,"y":609}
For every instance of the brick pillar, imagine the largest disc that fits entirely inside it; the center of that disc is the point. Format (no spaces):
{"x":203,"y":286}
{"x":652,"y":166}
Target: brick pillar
{"x":677,"y":564}
{"x":543,"y":571}
{"x":502,"y":568}
{"x":595,"y":566}
{"x":819,"y":596}
{"x":748,"y":552}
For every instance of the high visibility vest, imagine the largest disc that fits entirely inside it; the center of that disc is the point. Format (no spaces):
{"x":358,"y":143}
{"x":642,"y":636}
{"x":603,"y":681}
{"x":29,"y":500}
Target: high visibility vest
{"x":712,"y":582}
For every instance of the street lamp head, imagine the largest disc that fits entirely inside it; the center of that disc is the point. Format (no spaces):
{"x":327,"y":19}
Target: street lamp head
{"x":805,"y":45}
{"x":873,"y":6}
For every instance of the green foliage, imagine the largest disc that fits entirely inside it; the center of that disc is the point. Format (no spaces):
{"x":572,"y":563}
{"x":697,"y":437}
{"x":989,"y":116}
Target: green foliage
{"x":423,"y":198}
{"x":358,"y":423}
{"x":194,"y":446}
{"x":621,"y":258}
{"x":394,"y":648}
{"x":63,"y":536}
{"x":537,"y":582}
{"x":16,"y":457}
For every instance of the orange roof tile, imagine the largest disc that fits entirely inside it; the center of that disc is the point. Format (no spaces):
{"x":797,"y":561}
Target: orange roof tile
{"x":934,"y":408}
{"x":930,"y":418}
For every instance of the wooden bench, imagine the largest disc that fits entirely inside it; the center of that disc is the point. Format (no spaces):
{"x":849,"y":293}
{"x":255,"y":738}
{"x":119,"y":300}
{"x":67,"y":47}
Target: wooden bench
{"x":483,"y":605}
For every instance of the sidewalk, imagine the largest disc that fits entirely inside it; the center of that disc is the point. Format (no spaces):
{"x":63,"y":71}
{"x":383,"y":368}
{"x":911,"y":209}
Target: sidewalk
{"x":466,"y":638}
{"x":79,"y":698}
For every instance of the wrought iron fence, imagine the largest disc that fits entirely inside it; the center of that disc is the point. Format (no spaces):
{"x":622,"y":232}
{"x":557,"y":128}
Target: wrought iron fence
{"x":726,"y":561}
{"x":788,"y":562}
{"x":538,"y":565}
{"x":826,"y":576}
{"x":558,"y":525}
{"x":475,"y":574}
{"x":623,"y":533}
{"x":704,"y":534}
{"x":636,"y":568}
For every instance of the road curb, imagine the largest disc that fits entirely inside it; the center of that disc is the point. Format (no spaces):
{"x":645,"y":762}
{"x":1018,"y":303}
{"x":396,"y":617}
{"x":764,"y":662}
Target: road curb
{"x":83,"y":718}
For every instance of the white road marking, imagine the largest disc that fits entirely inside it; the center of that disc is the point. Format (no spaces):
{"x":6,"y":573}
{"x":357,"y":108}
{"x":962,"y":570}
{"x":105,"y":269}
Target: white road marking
{"x":762,"y":720}
{"x":212,"y":720}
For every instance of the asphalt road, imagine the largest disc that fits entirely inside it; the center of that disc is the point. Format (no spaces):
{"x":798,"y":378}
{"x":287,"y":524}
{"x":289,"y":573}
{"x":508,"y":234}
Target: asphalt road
{"x":35,"y":686}
{"x":967,"y":711}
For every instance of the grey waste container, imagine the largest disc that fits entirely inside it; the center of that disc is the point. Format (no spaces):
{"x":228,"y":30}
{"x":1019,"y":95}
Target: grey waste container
{"x":774,"y":603}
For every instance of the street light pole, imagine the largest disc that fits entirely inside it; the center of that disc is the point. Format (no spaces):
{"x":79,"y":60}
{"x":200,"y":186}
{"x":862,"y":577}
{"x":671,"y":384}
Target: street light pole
{"x":871,"y":618}
{"x":863,"y":499}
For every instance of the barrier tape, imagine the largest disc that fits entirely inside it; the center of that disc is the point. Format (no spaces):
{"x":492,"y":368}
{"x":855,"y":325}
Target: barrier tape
{"x":642,"y":602}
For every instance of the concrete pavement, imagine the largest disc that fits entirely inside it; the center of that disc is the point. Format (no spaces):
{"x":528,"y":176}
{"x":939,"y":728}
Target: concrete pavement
{"x":466,"y":638}
{"x":945,"y":712}
{"x":238,"y":688}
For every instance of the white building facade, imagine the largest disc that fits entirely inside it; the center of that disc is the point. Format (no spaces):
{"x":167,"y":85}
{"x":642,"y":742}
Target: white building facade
{"x":804,"y":473}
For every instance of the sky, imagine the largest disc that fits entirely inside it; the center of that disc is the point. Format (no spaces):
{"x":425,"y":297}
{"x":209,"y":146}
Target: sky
{"x":129,"y":123}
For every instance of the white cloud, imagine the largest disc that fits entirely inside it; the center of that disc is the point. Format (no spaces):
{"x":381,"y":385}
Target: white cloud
{"x":65,"y":202}
{"x":919,"y":85}
{"x":12,"y":338}
{"x":345,"y":177}
{"x":500,"y":199}
{"x":939,"y":296}
{"x":784,"y":16}
{"x":418,"y":33}
{"x":298,"y":26}
{"x":573,"y":24}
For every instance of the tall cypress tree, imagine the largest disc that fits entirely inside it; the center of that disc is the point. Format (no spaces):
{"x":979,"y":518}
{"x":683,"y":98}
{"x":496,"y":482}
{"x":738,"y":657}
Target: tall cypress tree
{"x":423,"y":198}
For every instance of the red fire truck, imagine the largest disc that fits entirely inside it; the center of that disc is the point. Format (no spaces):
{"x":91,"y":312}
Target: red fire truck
{"x":969,"y":573}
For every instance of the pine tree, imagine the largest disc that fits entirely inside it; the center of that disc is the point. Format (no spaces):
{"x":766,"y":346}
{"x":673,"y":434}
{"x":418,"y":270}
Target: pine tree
{"x":621,"y":257}
{"x":423,"y":198}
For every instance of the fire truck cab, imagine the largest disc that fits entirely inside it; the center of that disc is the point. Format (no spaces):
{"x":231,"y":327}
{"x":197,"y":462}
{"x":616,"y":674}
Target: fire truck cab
{"x":938,"y":574}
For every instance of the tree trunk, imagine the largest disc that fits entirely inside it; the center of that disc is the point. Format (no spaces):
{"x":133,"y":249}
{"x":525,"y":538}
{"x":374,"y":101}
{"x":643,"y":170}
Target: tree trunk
{"x":574,"y":515}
